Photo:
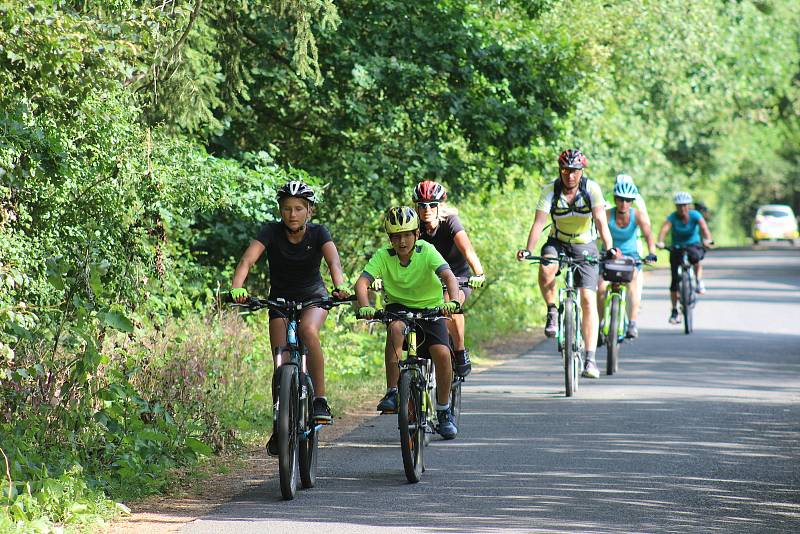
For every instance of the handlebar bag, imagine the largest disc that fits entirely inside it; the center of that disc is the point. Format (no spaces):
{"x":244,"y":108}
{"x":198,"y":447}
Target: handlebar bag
{"x":619,"y":270}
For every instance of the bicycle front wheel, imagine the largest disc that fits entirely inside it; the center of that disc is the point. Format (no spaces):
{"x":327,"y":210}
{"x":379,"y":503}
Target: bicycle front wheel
{"x":612,"y":342}
{"x":686,"y":301}
{"x":309,"y":445}
{"x":288,"y":423}
{"x":568,"y":352}
{"x":409,"y":416}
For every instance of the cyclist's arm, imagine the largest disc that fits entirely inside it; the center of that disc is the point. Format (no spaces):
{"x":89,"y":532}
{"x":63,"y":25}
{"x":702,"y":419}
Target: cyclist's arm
{"x":249,"y":258}
{"x":331,"y":255}
{"x":463,"y":243}
{"x":705,"y":231}
{"x":666,"y":227}
{"x":451,"y":283}
{"x":601,"y":222}
{"x":644,"y":223}
{"x":539,"y":221}
{"x":362,"y":287}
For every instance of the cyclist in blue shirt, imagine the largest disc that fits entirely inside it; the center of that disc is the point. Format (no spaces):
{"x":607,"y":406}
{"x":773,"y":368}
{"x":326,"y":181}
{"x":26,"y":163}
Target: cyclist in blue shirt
{"x":685,"y":225}
{"x":624,"y":223}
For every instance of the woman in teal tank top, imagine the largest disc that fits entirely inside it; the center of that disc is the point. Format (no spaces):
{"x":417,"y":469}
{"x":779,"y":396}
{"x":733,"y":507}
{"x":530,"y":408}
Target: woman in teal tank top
{"x":623,"y":221}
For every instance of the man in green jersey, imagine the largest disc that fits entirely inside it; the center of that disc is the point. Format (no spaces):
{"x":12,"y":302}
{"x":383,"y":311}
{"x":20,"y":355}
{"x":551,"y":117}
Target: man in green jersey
{"x":577,"y":207}
{"x":412,"y":272}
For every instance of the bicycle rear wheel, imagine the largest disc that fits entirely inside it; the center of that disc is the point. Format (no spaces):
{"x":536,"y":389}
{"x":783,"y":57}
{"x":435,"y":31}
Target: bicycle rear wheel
{"x":287,"y":430}
{"x":686,"y":301}
{"x":308,"y":446}
{"x":409,"y":416}
{"x":568,"y":352}
{"x":612,"y":342}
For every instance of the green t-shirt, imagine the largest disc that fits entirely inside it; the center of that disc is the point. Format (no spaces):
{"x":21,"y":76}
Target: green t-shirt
{"x":416,"y":285}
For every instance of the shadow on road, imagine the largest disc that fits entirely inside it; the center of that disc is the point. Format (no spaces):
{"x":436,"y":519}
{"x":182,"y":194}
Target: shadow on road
{"x":691,"y":455}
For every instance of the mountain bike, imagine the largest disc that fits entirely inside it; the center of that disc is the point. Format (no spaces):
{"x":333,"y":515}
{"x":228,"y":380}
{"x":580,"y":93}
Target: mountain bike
{"x":686,"y":287}
{"x":293,"y":420}
{"x":568,"y":337}
{"x":618,"y":273}
{"x":416,"y":414}
{"x":455,"y":387}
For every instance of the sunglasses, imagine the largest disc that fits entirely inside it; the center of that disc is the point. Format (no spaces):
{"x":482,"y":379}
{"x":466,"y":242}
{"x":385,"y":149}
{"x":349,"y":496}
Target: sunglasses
{"x":424,"y":205}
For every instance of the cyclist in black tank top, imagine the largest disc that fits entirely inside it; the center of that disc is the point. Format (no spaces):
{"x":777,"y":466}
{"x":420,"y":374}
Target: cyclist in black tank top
{"x":441,"y":227}
{"x":295,"y":248}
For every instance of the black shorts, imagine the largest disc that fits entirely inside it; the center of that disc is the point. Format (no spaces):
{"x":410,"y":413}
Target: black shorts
{"x":429,"y":333}
{"x":695,"y":253}
{"x":586,"y":274}
{"x":312,"y":293}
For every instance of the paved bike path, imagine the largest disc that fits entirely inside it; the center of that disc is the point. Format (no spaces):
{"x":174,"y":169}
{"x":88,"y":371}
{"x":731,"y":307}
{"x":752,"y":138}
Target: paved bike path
{"x":696,"y":433}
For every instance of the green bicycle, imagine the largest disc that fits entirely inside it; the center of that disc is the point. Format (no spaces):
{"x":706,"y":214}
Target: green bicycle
{"x":569,"y":339}
{"x":614,"y":323}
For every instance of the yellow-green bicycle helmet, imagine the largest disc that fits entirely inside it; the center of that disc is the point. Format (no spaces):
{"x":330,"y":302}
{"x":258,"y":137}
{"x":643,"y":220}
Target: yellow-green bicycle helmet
{"x":400,"y":219}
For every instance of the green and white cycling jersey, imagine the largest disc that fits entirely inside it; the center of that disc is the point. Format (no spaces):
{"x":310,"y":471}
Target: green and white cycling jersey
{"x":572,"y":223}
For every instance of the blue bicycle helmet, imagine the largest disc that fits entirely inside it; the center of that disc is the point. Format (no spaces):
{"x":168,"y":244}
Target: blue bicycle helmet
{"x":626,"y":190}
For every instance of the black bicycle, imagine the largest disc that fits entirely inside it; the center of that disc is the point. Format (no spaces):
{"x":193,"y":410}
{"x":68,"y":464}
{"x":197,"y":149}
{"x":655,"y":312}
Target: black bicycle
{"x":416,"y":415}
{"x":569,"y":338}
{"x":687,"y":287}
{"x":293,"y":419}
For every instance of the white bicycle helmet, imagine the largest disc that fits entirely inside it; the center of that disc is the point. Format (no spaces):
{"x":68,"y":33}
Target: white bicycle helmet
{"x":682,"y":197}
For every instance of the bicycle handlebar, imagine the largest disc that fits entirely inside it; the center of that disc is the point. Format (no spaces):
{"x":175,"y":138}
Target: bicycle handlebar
{"x":562,"y":259}
{"x":283,"y":305}
{"x":384,"y":316}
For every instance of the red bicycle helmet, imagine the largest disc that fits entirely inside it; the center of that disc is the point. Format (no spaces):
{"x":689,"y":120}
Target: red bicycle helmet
{"x":428,"y":191}
{"x":572,"y":159}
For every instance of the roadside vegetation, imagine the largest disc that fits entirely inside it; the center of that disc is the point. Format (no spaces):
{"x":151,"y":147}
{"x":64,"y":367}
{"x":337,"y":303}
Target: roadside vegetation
{"x":141,"y":142}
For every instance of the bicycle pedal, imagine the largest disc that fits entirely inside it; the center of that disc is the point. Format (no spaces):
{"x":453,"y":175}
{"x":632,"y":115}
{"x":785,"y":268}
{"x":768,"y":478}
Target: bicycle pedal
{"x":388,"y":412}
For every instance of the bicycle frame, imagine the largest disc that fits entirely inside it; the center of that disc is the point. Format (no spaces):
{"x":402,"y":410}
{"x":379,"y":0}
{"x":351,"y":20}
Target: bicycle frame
{"x":620,"y":290}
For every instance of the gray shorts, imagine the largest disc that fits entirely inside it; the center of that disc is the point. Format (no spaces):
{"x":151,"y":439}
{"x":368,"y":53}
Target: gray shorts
{"x":586,"y":274}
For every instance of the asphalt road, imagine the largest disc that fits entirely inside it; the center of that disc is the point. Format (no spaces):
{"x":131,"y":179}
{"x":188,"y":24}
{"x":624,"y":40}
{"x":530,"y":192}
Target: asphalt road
{"x":695,"y":433}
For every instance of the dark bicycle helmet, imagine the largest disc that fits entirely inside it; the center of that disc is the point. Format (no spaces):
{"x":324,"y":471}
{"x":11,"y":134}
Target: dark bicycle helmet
{"x":297,"y":189}
{"x":429,"y":191}
{"x":572,"y":159}
{"x":400,"y":219}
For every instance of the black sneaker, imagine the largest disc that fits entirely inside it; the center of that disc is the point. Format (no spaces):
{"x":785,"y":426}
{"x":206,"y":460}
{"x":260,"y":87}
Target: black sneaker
{"x":388,"y":403}
{"x":550,"y":327}
{"x":272,"y":446}
{"x":322,"y":412}
{"x":463,"y":365}
{"x":601,"y":339}
{"x":674,"y":318}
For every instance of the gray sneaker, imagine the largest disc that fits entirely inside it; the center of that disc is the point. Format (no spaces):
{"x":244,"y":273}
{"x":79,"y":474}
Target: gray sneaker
{"x":590,"y":370}
{"x":551,"y":325}
{"x":632,"y":332}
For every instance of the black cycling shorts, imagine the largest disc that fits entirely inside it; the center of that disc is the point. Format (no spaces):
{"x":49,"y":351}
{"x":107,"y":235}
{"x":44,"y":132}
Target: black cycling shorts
{"x":695,"y":253}
{"x":429,"y":333}
{"x":586,"y":274}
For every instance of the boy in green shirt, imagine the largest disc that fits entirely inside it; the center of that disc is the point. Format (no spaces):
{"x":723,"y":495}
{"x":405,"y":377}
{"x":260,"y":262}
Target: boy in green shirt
{"x":412,"y":272}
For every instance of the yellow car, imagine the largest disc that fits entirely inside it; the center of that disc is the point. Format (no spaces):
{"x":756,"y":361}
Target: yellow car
{"x":775,"y":222}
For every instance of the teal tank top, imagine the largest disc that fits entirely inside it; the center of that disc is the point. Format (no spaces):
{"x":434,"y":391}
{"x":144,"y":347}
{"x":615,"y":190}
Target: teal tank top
{"x":624,"y":238}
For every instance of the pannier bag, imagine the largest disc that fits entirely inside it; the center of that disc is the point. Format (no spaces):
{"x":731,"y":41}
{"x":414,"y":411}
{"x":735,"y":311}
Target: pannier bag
{"x":619,"y":270}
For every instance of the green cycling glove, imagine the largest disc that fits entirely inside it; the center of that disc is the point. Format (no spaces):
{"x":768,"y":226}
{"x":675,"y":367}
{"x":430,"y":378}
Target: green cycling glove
{"x":452,"y":306}
{"x":343,"y":291}
{"x":366,"y":312}
{"x":476,"y":281}
{"x":238,"y":293}
{"x":377,"y":285}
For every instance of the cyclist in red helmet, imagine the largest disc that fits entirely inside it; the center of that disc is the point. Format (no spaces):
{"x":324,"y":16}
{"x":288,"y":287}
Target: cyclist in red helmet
{"x":577,"y":209}
{"x":441,"y":227}
{"x":294,"y":248}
